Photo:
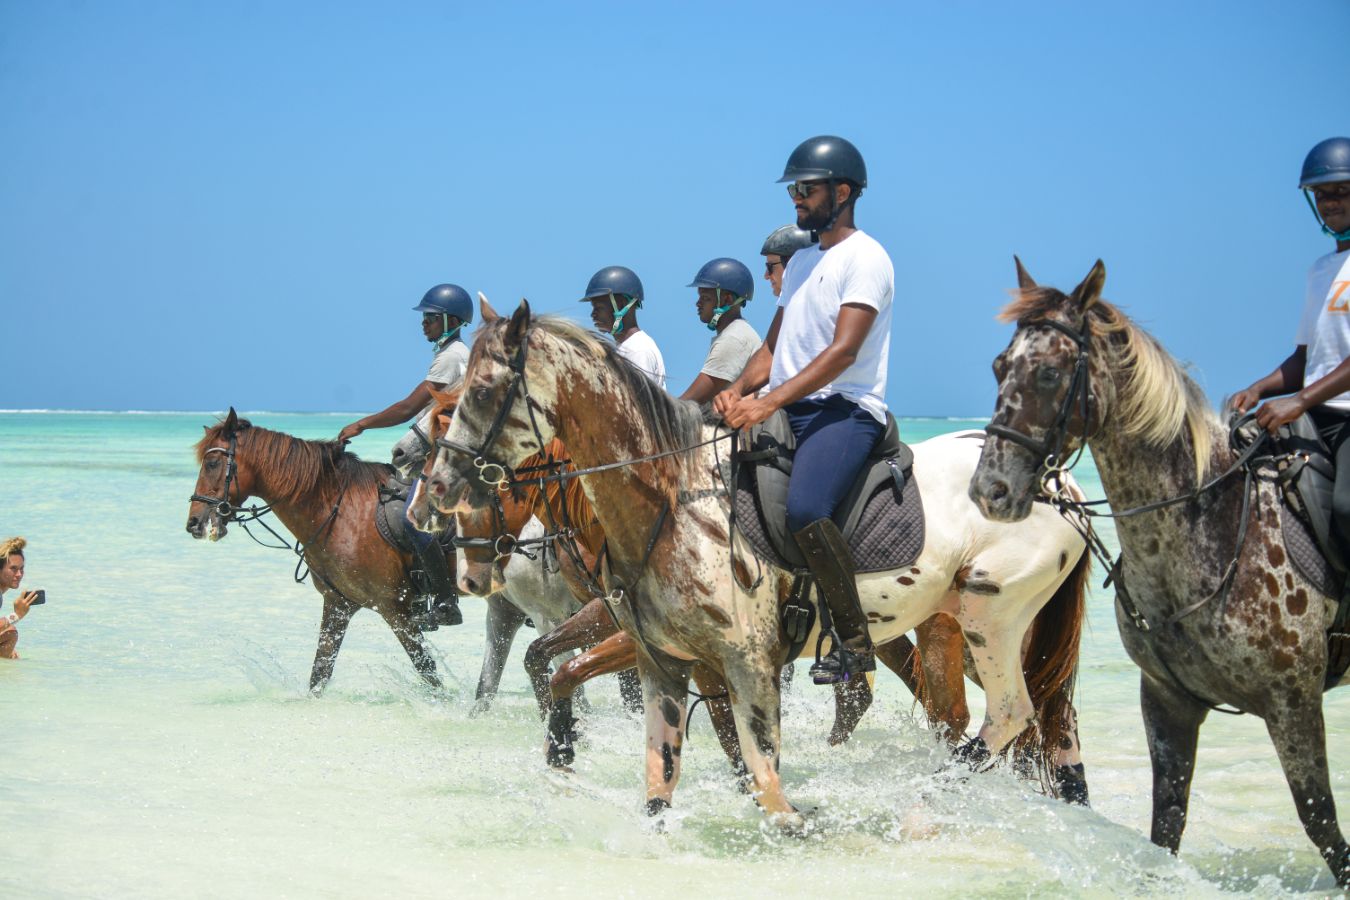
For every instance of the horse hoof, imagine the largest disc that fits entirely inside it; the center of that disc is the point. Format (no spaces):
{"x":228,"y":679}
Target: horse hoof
{"x":1071,"y":784}
{"x":481,"y":706}
{"x":974,"y":753}
{"x":656,"y":806}
{"x":560,"y":756}
{"x":792,"y":824}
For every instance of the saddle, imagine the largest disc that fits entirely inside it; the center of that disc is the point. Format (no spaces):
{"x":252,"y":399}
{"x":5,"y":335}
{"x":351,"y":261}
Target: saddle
{"x":393,"y":524}
{"x":881,"y":517}
{"x":1305,"y":473}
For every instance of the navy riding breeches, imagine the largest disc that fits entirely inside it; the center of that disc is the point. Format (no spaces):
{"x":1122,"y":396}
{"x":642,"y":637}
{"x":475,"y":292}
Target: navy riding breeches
{"x":834,"y":437}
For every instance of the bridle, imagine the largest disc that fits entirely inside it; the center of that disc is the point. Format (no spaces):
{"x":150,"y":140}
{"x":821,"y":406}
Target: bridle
{"x":221,"y":505}
{"x":1050,"y":449}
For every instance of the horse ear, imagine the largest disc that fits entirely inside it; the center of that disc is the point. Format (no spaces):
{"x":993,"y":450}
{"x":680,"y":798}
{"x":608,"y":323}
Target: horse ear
{"x":520,"y":324}
{"x":485,"y":310}
{"x":231,"y":422}
{"x":1024,"y":279}
{"x":1090,"y":290}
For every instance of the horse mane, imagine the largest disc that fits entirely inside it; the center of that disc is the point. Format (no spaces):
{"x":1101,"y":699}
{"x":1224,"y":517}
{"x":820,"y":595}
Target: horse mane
{"x":296,"y":467}
{"x":1158,"y":399}
{"x":673,"y":424}
{"x":566,"y":499}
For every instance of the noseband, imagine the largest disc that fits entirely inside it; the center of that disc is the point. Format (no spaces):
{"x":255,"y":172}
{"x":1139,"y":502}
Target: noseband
{"x":1050,"y":449}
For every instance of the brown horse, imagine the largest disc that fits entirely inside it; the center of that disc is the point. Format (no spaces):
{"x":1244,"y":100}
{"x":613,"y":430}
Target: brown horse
{"x":934,"y":673}
{"x":326,"y":498}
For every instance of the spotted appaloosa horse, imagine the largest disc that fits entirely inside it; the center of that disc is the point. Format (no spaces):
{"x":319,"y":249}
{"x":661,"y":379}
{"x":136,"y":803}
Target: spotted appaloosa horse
{"x":678,"y":586}
{"x":1262,"y":646}
{"x":326,"y":498}
{"x":935,"y":677}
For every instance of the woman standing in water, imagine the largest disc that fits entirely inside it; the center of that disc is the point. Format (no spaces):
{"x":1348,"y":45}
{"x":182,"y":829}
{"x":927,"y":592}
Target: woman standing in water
{"x":11,"y":574}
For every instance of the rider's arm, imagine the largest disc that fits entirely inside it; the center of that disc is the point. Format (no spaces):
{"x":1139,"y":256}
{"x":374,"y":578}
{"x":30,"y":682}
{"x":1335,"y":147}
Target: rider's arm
{"x":704,"y":388}
{"x":1284,"y":380}
{"x":394,"y":414}
{"x":756,"y":372}
{"x":850,"y":330}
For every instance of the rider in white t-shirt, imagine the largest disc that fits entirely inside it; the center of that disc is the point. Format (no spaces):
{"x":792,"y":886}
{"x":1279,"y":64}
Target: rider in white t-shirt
{"x":1318,"y":371}
{"x":615,"y":296}
{"x":724,"y":286}
{"x":824,"y":361}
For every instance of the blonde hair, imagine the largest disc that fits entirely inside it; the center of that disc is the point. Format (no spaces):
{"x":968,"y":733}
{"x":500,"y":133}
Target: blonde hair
{"x":12,"y":546}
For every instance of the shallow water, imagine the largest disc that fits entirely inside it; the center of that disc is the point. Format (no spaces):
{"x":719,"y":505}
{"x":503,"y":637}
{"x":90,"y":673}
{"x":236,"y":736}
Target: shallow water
{"x":159,"y":741}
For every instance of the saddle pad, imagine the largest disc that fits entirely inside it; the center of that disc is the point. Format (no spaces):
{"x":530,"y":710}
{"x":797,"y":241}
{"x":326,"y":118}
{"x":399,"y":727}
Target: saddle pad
{"x":1302,"y":548}
{"x":389,"y":520}
{"x":889,"y":535}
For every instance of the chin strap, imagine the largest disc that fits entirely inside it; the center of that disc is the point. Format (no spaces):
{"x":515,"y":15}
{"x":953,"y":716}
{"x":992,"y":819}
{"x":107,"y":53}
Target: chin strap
{"x":720,"y":311}
{"x":1335,"y":235}
{"x":620,"y":313}
{"x":449,"y":333}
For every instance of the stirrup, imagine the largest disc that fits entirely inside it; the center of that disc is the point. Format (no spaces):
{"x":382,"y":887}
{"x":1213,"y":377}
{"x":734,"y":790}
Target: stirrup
{"x":842,"y":664}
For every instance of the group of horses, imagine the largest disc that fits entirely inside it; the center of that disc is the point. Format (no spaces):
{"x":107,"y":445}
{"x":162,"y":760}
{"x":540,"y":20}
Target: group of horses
{"x":584,"y":496}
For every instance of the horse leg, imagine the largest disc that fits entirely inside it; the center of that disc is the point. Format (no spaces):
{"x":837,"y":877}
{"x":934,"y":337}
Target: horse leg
{"x":996,"y":646}
{"x":337,"y":615}
{"x":614,"y":654}
{"x":411,"y":638}
{"x":851,"y":699}
{"x":755,"y":704}
{"x":1172,"y":726}
{"x":1070,"y":777}
{"x":503,"y":621}
{"x":1299,"y":735}
{"x":590,"y":624}
{"x":712,"y":686}
{"x":942,"y":660}
{"x":664,"y":690}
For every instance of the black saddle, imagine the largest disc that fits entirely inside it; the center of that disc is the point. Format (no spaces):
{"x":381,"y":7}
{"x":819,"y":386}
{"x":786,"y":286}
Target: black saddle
{"x":881,"y":517}
{"x":1306,"y":473}
{"x":392,"y":523}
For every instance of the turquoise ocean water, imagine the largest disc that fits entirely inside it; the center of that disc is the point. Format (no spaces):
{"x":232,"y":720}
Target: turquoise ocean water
{"x":158,"y":741}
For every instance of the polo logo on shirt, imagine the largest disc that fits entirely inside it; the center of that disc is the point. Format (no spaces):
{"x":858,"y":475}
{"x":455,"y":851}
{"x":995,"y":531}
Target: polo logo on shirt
{"x":1338,"y":300}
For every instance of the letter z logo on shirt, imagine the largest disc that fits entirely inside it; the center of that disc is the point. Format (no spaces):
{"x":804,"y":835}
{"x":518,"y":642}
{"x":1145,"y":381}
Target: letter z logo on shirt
{"x":1338,"y":299}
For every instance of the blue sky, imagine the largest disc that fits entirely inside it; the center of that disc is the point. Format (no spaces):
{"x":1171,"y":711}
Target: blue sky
{"x":208,"y":204}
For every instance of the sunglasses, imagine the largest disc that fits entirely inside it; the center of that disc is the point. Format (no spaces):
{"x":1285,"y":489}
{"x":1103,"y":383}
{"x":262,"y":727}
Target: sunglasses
{"x":1339,"y":191}
{"x":768,"y":266}
{"x":800,"y":190}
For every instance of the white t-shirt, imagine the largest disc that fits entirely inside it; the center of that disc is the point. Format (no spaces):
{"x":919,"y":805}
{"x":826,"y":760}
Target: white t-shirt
{"x":640,"y":350}
{"x":815,"y":284}
{"x":731,"y":349}
{"x":1325,"y":327}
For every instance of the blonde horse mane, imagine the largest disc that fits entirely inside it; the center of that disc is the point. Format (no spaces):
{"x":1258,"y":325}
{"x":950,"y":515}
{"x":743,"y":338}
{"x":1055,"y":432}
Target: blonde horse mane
{"x":1157,"y":400}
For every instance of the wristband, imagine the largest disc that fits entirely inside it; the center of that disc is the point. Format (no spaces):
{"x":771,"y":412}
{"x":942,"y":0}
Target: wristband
{"x":12,"y":618}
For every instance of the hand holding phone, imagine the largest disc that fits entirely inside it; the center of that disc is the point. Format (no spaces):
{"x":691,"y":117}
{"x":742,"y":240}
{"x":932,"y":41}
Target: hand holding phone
{"x":38,"y":597}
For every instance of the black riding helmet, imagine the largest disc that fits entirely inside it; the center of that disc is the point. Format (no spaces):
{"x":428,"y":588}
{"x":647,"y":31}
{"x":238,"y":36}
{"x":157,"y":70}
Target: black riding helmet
{"x":832,"y":160}
{"x":1326,"y":163}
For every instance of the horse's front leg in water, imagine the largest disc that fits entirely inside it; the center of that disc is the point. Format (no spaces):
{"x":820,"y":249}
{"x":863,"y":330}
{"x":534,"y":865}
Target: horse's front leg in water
{"x":1172,"y":726}
{"x":665,"y":688}
{"x":395,"y":614}
{"x":1299,"y":734}
{"x":337,"y":615}
{"x":502,"y":622}
{"x":753,"y":685}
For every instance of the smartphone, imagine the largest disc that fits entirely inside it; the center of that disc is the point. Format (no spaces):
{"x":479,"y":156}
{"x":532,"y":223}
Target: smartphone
{"x":40,"y":598}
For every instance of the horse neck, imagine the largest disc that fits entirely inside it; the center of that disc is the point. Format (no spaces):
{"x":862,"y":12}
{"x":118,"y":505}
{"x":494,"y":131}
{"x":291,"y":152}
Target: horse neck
{"x":302,"y":513}
{"x":627,"y":501}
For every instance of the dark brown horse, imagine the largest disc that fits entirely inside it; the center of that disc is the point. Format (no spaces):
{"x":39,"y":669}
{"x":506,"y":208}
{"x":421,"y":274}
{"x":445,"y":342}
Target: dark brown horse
{"x":1209,"y":605}
{"x":326,"y":498}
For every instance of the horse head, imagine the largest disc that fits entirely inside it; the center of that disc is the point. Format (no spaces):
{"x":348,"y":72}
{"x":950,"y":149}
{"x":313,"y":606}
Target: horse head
{"x":223,"y":484}
{"x":505,"y":413}
{"x":423,"y":515}
{"x":1050,"y":395}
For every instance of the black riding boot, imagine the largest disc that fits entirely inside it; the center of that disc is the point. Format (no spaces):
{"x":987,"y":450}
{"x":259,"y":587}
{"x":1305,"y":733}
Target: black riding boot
{"x":831,"y":563}
{"x":438,"y":584}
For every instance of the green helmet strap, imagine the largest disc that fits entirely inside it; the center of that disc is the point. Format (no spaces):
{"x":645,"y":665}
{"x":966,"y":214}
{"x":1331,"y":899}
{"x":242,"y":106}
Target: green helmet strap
{"x":1335,"y":235}
{"x":720,"y":311}
{"x":620,"y":313}
{"x":448,"y":334}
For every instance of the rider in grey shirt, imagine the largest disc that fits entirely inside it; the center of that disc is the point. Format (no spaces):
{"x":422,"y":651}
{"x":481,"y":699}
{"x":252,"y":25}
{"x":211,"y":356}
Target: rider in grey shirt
{"x":724,"y":286}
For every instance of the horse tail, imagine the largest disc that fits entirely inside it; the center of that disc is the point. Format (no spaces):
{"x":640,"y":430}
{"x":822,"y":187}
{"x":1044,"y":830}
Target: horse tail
{"x":1050,"y":666}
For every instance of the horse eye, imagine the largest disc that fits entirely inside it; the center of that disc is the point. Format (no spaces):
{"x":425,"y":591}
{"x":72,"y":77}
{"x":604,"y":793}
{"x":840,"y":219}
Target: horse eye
{"x":481,"y":395}
{"x":1000,"y":367}
{"x":212,"y":463}
{"x":1048,"y":376}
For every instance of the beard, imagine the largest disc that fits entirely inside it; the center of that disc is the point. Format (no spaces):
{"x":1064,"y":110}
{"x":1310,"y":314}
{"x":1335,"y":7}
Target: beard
{"x":813,"y":219}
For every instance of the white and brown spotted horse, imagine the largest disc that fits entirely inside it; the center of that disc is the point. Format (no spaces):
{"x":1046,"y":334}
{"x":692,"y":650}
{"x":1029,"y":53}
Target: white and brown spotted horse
{"x":1259,"y":644}
{"x":675,"y":581}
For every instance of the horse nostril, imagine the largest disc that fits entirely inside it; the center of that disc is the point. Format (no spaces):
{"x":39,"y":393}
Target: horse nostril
{"x":192,"y":524}
{"x":438,"y":488}
{"x":998,"y":490}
